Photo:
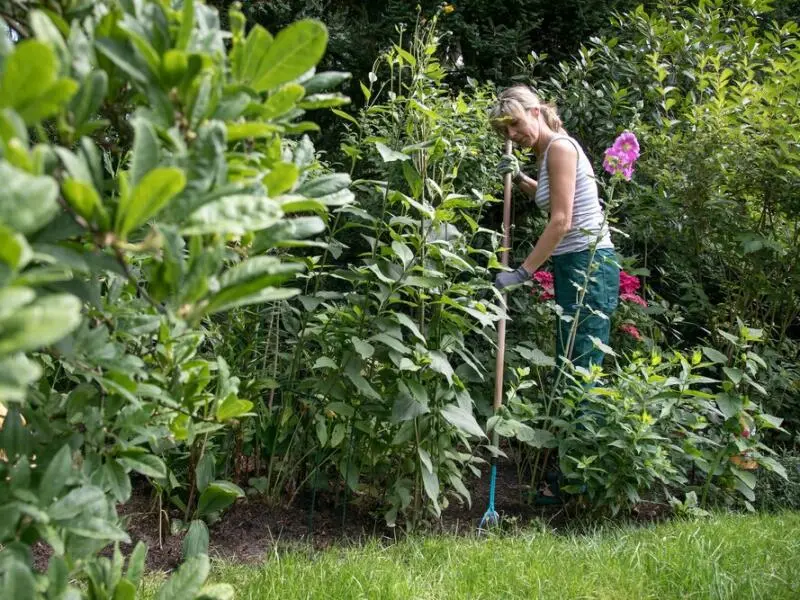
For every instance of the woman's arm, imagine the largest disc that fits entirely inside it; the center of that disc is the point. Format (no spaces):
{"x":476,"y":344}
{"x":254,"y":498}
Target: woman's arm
{"x":562,"y":165}
{"x":527,"y":184}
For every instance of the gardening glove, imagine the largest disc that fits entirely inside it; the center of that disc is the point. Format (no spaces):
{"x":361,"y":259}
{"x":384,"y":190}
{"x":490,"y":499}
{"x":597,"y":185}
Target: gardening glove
{"x":509,"y":164}
{"x":511,"y":278}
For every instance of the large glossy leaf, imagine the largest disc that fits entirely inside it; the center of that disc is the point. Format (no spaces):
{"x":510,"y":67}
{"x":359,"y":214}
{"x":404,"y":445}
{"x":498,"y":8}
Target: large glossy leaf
{"x":187,"y":581}
{"x":234,"y":215}
{"x":146,"y":464}
{"x":294,"y":51}
{"x":56,"y":475}
{"x":40,"y":323}
{"x":29,"y":82}
{"x":463,"y":419}
{"x":27,"y":202}
{"x":75,"y":502}
{"x":282,"y":101}
{"x":196,"y":541}
{"x":153,"y":192}
{"x":146,"y":150}
{"x":217,"y":496}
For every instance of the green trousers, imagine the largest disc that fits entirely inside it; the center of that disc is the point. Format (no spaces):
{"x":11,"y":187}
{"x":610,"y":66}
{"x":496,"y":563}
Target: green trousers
{"x":602,"y":295}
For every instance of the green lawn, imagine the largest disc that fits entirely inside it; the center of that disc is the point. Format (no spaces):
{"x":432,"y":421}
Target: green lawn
{"x":731,"y":556}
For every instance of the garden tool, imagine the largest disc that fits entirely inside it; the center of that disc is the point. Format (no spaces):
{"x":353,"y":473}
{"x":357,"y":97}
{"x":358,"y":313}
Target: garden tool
{"x":491,"y":517}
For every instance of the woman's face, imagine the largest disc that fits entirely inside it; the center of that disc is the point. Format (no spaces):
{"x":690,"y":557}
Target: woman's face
{"x":523,"y":128}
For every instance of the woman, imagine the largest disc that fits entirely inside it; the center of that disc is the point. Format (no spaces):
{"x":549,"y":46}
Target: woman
{"x":567,"y":189}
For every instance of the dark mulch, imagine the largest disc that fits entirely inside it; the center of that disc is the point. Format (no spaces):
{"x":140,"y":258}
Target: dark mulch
{"x":253,"y":528}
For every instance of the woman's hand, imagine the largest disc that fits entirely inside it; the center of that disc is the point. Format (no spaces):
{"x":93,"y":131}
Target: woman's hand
{"x":509,"y":164}
{"x":508,"y":278}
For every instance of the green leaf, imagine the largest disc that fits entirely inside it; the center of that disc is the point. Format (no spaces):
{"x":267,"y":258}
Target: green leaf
{"x":365,"y":349}
{"x":27,"y":202}
{"x":234,"y":215}
{"x":317,"y":101}
{"x":409,"y":403}
{"x":40,"y":323}
{"x":87,"y":101}
{"x":535,"y":357}
{"x":406,"y":321}
{"x":75,"y":502}
{"x":403,"y":252}
{"x":14,"y":249}
{"x":769,"y":421}
{"x":735,"y":375}
{"x":282,"y":101}
{"x":602,"y":346}
{"x":146,"y":464}
{"x":325,"y":185}
{"x":747,"y":477}
{"x":125,"y":590}
{"x":773,"y":465}
{"x":538,"y":438}
{"x":146,"y":150}
{"x":153,"y":192}
{"x":463,"y":419}
{"x":16,"y":373}
{"x":281,"y":178}
{"x":187,"y":581}
{"x":187,"y":24}
{"x":29,"y":82}
{"x":324,"y":362}
{"x":440,"y":364}
{"x":391,"y":342}
{"x":249,"y":64}
{"x":19,"y":581}
{"x":294,"y":51}
{"x":196,"y":541}
{"x":250,"y":130}
{"x":218,"y":496}
{"x":353,"y":372}
{"x":85,"y":200}
{"x":729,"y":406}
{"x":205,"y":472}
{"x":56,"y":475}
{"x":326,"y":80}
{"x":338,"y":434}
{"x":233,"y":407}
{"x":117,"y":480}
{"x":389,"y":155}
{"x":425,"y":459}
{"x":136,"y":563}
{"x":431,"y":483}
{"x":322,"y":430}
{"x":216,"y":591}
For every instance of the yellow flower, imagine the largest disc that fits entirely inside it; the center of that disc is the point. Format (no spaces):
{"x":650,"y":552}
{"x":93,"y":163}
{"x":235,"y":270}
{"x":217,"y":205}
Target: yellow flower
{"x":448,"y":8}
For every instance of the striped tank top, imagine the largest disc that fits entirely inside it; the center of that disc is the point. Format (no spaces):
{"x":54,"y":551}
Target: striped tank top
{"x":587,"y":214}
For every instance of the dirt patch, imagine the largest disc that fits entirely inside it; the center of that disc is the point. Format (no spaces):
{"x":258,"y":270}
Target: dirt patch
{"x":253,"y":528}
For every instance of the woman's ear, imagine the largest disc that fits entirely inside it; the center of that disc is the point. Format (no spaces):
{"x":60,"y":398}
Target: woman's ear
{"x":534,"y":111}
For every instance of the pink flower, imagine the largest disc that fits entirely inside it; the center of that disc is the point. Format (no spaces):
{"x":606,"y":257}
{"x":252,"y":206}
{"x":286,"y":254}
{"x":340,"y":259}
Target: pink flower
{"x":546,"y":289}
{"x":631,"y":331}
{"x":635,"y":298}
{"x":620,"y":158}
{"x":628,"y":284}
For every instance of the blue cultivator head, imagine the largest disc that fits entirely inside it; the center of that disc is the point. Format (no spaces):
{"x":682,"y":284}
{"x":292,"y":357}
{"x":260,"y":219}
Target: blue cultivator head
{"x":490,"y":517}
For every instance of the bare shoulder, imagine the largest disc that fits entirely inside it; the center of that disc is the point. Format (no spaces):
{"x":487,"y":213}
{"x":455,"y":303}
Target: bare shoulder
{"x":562,"y":153}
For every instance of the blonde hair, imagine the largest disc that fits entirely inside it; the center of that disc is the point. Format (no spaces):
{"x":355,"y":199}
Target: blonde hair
{"x":517,"y":100}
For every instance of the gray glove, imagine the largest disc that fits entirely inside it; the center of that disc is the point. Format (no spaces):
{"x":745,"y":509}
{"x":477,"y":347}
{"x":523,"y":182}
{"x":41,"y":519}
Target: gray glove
{"x":511,"y":278}
{"x":509,"y":164}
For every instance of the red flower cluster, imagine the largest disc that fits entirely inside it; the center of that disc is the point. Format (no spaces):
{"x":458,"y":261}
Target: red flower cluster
{"x":628,"y":285}
{"x":631,"y":331}
{"x":545,"y":289}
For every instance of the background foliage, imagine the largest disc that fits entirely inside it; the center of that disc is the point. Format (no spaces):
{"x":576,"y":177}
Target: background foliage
{"x":200,"y":305}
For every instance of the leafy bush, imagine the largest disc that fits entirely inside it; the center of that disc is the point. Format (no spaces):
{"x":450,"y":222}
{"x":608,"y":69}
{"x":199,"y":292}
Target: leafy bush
{"x":149,"y":182}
